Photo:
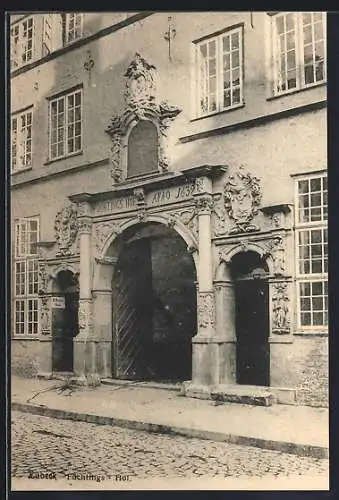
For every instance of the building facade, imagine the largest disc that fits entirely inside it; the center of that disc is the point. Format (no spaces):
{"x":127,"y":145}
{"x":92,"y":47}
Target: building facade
{"x":169,"y":199}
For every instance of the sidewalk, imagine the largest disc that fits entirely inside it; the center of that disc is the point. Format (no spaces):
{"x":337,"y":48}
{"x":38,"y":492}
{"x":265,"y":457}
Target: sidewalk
{"x":294,"y":429}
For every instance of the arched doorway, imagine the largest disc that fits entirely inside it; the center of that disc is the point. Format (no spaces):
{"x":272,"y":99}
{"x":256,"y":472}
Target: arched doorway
{"x":250,"y":273}
{"x":154,"y":305}
{"x":65,"y":303}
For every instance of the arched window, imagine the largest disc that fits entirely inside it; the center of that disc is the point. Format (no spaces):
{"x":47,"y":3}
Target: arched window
{"x":142,"y":149}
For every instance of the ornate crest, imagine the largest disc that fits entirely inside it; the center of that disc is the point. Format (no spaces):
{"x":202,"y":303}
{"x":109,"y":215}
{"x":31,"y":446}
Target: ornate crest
{"x":140,"y":83}
{"x":280,"y":300}
{"x":242,"y":197}
{"x":66,"y":227}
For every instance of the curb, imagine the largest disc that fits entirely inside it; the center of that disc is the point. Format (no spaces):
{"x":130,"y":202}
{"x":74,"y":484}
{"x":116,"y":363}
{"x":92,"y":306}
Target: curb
{"x":305,"y":450}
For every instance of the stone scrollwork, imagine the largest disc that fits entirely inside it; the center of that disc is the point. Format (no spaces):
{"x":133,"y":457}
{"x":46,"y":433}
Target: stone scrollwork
{"x":242,"y":197}
{"x":188,"y":217}
{"x":103,"y":231}
{"x":66,"y":228}
{"x":206,"y":310}
{"x":140,"y":104}
{"x":280,"y":309}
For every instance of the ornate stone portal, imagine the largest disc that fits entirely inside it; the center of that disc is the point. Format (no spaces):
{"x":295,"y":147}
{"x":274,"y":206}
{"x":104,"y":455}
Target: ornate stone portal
{"x":141,"y":103}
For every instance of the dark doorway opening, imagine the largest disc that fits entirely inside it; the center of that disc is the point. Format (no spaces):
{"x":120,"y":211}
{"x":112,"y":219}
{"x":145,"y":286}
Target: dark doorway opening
{"x":65,"y":305}
{"x":154,"y":306}
{"x":252,"y":319}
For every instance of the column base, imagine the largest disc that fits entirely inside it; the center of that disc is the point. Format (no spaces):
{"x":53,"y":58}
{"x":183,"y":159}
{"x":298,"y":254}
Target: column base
{"x":214,"y":361}
{"x":92,"y":356}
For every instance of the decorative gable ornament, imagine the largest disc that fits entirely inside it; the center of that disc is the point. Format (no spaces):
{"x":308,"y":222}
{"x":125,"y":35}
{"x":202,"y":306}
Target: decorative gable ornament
{"x":141,"y":103}
{"x":66,"y":228}
{"x":242,"y":197}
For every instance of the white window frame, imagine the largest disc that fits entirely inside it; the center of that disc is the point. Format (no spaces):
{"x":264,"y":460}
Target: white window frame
{"x":25,"y":260}
{"x":197,"y":112}
{"x":47,"y":35}
{"x":22,"y":140}
{"x":299,"y":53}
{"x":309,"y":277}
{"x":73,"y":16}
{"x":19,"y":44}
{"x":65,"y":126}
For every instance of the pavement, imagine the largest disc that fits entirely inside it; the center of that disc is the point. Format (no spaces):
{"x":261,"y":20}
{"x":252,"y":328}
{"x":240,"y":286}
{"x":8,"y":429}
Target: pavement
{"x":298,"y":430}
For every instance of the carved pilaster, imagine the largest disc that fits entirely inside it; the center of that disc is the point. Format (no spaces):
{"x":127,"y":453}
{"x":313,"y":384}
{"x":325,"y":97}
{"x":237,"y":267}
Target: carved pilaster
{"x":45,"y":315}
{"x":206,"y":310}
{"x":280,"y":308}
{"x":85,"y":317}
{"x":277,"y":251}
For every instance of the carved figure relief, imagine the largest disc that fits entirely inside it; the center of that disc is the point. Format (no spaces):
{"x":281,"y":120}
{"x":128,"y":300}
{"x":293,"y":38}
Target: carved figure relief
{"x":43,"y":278}
{"x":66,"y":228}
{"x":280,"y":301}
{"x":140,"y":104}
{"x":45,"y":316}
{"x":84,"y":315}
{"x":242,"y":196}
{"x":277,"y":251}
{"x":206,"y":310}
{"x":102,"y":232}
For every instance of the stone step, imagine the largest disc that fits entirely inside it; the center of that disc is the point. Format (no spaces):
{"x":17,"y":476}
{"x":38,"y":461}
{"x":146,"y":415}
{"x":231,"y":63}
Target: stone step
{"x":244,"y":394}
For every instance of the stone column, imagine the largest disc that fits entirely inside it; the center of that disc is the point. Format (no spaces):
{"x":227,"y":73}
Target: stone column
{"x":205,"y":350}
{"x":81,"y":363}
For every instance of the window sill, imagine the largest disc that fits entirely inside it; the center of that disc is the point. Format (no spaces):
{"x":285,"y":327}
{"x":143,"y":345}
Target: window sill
{"x":26,"y":169}
{"x":228,"y":110}
{"x":25,"y":337}
{"x":310,"y":333}
{"x":296,"y":91}
{"x":78,"y":153}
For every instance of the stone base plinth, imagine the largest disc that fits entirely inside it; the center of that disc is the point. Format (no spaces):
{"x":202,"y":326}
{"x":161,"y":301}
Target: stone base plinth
{"x":213,"y":361}
{"x":92,"y":356}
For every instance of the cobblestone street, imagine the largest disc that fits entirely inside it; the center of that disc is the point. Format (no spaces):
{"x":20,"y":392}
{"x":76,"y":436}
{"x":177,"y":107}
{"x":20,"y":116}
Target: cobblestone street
{"x":60,"y":448}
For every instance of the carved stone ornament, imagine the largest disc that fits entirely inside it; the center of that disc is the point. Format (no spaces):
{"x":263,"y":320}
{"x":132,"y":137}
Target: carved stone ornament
{"x":242,"y":197}
{"x":140,"y":104}
{"x":102,"y":231}
{"x":277,"y":250}
{"x":139,"y":195}
{"x":43,"y":278}
{"x":188,"y":217}
{"x":206,"y":310}
{"x":45,"y":315}
{"x":204,"y":204}
{"x":280,"y":308}
{"x":66,"y":228}
{"x":84,"y":226}
{"x":84,"y":315}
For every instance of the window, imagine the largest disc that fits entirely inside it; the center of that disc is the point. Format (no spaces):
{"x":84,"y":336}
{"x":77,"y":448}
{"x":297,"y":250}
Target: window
{"x":311,"y":241}
{"x":22,"y":43}
{"x":298,"y":50}
{"x":26,"y":306}
{"x":219,"y":73}
{"x":65,"y":125}
{"x":21,"y":140}
{"x":73,"y":27}
{"x":47,"y":35}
